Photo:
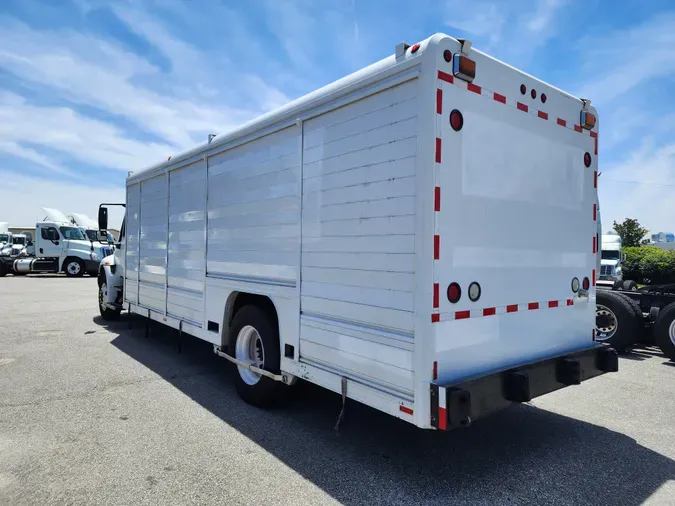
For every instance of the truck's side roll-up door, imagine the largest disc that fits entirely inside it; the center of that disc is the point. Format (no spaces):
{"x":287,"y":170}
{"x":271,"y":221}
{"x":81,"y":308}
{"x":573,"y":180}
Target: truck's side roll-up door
{"x":132,"y":232}
{"x":153,"y":243}
{"x":187,"y":204}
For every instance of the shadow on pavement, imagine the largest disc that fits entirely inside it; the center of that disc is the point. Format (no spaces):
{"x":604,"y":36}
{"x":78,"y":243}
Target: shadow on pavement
{"x":522,"y":455}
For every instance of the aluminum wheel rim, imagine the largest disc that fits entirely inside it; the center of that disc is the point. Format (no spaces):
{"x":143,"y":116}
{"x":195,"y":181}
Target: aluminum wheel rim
{"x":103,"y":295}
{"x":73,"y":268}
{"x":249,"y":350}
{"x":671,"y":332}
{"x":602,"y":333}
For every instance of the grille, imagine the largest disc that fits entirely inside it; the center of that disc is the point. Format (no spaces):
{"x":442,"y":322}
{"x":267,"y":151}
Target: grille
{"x":606,"y":270}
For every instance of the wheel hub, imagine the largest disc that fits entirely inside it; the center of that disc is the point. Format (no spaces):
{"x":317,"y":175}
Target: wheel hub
{"x":605,"y":323}
{"x":249,"y":349}
{"x":73,"y":267}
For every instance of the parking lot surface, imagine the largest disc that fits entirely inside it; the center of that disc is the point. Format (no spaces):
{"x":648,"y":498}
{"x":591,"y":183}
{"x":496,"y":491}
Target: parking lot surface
{"x":92,"y":413}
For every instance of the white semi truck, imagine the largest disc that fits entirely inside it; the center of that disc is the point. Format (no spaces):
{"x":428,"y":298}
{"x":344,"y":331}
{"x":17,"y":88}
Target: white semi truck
{"x":5,"y":236}
{"x":58,"y":247}
{"x":373,"y":238}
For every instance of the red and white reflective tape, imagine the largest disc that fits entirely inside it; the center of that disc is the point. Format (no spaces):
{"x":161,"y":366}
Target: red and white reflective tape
{"x":442,"y":409}
{"x":503,"y":99}
{"x":500,"y":310}
{"x":438,"y":157}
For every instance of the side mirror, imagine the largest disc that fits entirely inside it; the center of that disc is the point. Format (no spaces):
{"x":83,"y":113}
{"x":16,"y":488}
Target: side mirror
{"x":103,"y":218}
{"x":102,"y":236}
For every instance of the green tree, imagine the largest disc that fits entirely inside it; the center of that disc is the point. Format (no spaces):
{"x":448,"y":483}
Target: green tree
{"x":630,"y":231}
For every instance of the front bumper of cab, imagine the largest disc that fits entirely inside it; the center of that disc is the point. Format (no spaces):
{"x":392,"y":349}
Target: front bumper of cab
{"x":460,"y":404}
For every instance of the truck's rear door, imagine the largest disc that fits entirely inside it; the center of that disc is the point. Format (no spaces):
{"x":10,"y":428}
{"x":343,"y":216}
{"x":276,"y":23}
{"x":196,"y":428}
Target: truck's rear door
{"x":515,"y":220}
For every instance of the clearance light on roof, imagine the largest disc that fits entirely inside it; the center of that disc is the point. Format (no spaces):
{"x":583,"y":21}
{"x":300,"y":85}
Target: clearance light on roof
{"x":463,"y":68}
{"x":587,"y":120}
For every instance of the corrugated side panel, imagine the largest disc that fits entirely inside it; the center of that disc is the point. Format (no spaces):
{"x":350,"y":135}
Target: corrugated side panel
{"x":132,"y":224}
{"x":254,"y":210}
{"x":154,"y":220}
{"x":187,"y":211}
{"x":358,"y":237}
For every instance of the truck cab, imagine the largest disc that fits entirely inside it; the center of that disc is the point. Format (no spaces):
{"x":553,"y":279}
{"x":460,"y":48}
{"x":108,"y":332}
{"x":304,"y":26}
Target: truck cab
{"x":611,"y":260}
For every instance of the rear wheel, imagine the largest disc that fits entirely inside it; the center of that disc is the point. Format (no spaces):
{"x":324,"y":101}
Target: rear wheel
{"x":644,"y":334}
{"x":256,"y":342}
{"x":73,"y":267}
{"x":664,"y":331}
{"x":615,"y":320}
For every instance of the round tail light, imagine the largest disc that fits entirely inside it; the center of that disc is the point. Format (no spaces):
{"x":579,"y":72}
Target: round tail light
{"x":543,"y":98}
{"x":587,"y":159}
{"x":474,"y":291}
{"x":523,"y":89}
{"x":575,"y":285}
{"x":456,"y":120}
{"x":533,"y":93}
{"x":447,"y":55}
{"x":414,"y":48}
{"x":454,"y":293}
{"x":586,"y":284}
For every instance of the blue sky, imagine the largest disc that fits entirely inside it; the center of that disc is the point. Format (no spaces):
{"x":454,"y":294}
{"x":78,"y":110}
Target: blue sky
{"x":92,"y":89}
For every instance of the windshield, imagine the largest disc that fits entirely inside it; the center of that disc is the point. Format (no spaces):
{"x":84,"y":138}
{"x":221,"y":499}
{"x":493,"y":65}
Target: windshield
{"x":18,"y":240}
{"x":92,"y":235}
{"x":610,"y":255}
{"x":72,"y":233}
{"x":4,"y":237}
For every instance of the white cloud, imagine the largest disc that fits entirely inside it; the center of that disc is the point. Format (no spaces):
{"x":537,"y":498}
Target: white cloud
{"x":510,"y":30}
{"x":22,"y":197}
{"x":628,"y":58}
{"x":62,"y":129}
{"x":642,"y":187}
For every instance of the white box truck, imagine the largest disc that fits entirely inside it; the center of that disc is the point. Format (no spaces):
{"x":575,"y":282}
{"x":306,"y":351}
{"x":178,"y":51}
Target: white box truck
{"x":373,"y":237}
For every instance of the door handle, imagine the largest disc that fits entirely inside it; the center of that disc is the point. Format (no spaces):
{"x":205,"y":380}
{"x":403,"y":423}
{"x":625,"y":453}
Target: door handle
{"x":41,"y":251}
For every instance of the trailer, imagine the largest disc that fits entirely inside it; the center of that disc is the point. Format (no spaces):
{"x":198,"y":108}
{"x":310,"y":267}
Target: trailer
{"x":373,"y":238}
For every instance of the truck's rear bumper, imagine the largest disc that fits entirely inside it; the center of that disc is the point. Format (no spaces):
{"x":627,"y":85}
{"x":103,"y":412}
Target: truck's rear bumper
{"x":459,"y":404}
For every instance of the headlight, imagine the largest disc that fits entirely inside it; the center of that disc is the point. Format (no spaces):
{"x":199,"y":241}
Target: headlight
{"x":94,"y":256}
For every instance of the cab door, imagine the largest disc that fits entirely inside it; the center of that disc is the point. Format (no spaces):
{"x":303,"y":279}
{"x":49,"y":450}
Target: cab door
{"x":50,"y":244}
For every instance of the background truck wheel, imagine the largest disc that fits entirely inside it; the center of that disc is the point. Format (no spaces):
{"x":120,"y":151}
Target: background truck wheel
{"x":630,"y":286}
{"x":73,"y":267}
{"x":618,"y":285}
{"x":106,"y":313}
{"x":664,"y":331}
{"x":255,"y":340}
{"x":615,"y":320}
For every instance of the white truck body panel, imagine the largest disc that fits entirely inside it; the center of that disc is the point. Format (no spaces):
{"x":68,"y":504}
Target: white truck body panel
{"x":354,"y":207}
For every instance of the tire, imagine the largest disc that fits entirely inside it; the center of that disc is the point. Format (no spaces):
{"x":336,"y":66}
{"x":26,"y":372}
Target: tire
{"x":630,"y":286}
{"x":618,"y":285}
{"x":644,"y":334}
{"x":3,"y":269}
{"x":257,"y":390}
{"x":615,"y":320}
{"x":73,"y":267}
{"x":106,"y":313}
{"x":664,"y":331}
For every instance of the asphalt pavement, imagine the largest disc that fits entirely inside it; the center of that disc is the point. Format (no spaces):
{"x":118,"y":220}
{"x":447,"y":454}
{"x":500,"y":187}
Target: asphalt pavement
{"x":92,"y":413}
